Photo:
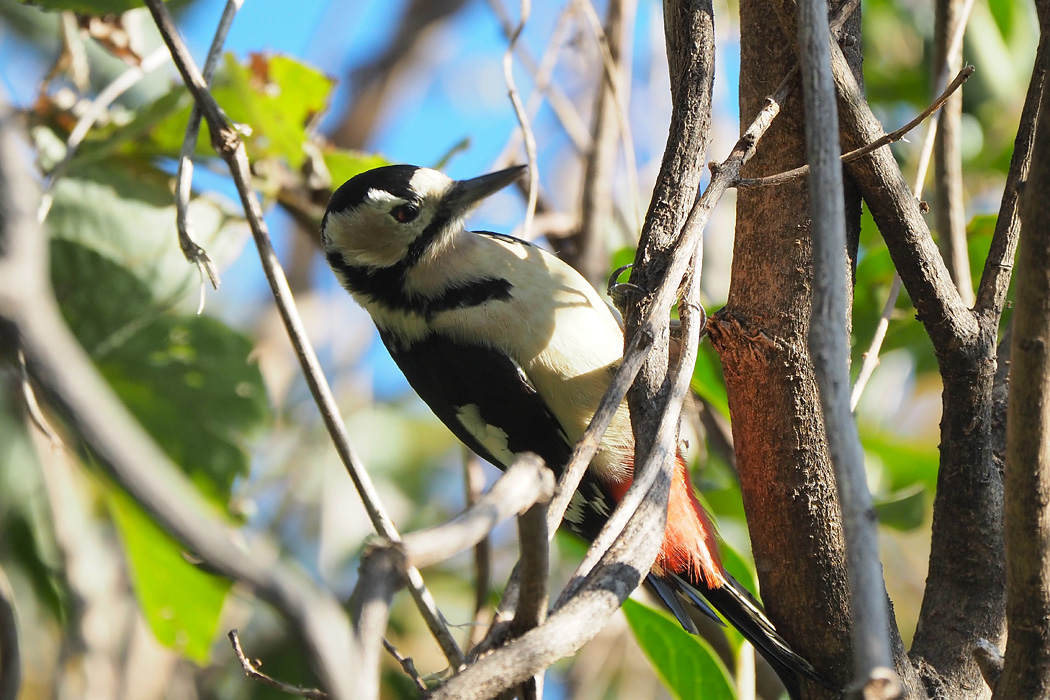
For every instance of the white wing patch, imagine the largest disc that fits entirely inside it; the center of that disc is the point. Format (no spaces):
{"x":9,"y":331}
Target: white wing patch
{"x":574,"y":513}
{"x":488,"y":436}
{"x":598,"y":502}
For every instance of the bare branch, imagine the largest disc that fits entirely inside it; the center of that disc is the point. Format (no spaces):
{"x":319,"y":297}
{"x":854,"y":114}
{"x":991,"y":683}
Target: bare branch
{"x":251,"y":669}
{"x":66,"y":378}
{"x":949,"y":211}
{"x":1026,"y":672}
{"x":858,"y":153}
{"x":829,"y":347}
{"x":407,"y":665}
{"x":381,"y":573}
{"x":995,"y":279}
{"x":474,"y":482}
{"x":524,"y":484}
{"x":523,"y":120}
{"x":10,"y":660}
{"x":230,"y":148}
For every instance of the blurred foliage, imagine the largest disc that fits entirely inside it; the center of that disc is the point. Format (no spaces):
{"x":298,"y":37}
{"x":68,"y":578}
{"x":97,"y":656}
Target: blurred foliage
{"x":220,"y":394}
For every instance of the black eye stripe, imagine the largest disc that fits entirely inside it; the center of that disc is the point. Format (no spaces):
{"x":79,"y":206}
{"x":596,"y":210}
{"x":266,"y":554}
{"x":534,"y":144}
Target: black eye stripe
{"x":404,"y":213}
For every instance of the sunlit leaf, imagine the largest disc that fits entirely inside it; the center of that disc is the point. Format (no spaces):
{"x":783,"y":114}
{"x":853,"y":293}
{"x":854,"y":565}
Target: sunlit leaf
{"x":188,"y":379}
{"x":343,"y":164}
{"x":180,"y":602}
{"x":688,"y":666}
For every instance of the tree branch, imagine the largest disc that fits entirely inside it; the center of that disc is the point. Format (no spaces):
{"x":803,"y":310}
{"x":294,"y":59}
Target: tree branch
{"x":829,"y":346}
{"x":527,"y":482}
{"x":29,"y":318}
{"x":230,"y":148}
{"x":1026,"y":671}
{"x":949,"y":210}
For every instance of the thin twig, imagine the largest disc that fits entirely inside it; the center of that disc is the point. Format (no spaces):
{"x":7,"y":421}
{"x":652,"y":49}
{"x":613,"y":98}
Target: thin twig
{"x":586,"y":249}
{"x":121,"y":84}
{"x":33,"y":406}
{"x":474,"y":481}
{"x":230,"y":148}
{"x":251,"y":669}
{"x":184,"y":174}
{"x":407,"y":665}
{"x":541,"y":80}
{"x":523,"y":120}
{"x":871,"y":357}
{"x":858,"y":153}
{"x":524,"y":484}
{"x":612,"y":71}
{"x":561,"y":105}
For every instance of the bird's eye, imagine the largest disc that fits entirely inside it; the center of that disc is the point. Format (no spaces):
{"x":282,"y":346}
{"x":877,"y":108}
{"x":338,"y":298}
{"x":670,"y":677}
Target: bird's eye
{"x":403,"y":213}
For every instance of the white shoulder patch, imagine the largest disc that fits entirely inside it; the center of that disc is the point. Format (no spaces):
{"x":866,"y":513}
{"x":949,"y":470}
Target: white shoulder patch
{"x":490,"y":437}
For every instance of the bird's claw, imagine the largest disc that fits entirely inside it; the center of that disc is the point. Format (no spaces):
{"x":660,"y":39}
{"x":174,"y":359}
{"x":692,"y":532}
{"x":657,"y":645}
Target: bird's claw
{"x":618,"y":290}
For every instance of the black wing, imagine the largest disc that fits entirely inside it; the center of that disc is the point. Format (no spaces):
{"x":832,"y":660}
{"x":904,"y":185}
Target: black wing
{"x":451,"y":377}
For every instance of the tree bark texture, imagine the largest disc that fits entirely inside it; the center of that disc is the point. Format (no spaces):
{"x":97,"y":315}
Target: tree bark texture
{"x":1026,"y":673}
{"x":786,"y":477}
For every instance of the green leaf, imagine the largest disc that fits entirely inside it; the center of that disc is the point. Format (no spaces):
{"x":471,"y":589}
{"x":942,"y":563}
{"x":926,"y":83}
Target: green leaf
{"x":904,"y":463}
{"x":904,"y":510}
{"x":187,"y":379}
{"x":125,"y":211}
{"x":707,"y":381}
{"x":180,"y":602}
{"x":344,"y":164}
{"x":688,"y":666}
{"x":278,"y":97}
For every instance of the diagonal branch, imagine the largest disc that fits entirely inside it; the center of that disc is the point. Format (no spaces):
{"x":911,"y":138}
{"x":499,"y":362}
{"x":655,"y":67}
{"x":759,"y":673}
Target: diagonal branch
{"x":230,"y":148}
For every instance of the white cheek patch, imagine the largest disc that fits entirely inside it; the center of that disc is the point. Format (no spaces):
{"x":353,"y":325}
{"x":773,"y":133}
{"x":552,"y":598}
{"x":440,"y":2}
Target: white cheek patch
{"x":488,"y":436}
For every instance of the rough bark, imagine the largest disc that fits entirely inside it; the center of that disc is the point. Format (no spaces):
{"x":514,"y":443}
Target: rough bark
{"x":788,"y":488}
{"x":1026,"y":673}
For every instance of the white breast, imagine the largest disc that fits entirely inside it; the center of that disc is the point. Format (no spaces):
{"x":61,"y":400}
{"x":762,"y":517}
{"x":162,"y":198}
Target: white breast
{"x":555,"y":327}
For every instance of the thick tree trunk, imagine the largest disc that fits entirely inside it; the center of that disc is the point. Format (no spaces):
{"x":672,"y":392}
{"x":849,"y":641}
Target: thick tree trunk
{"x":786,"y":477}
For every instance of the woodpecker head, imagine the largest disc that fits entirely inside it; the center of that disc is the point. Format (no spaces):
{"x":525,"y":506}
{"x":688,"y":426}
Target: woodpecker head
{"x":399,"y":213}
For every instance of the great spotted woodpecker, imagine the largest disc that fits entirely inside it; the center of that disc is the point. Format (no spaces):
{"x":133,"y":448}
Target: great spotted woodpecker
{"x":513,"y":350}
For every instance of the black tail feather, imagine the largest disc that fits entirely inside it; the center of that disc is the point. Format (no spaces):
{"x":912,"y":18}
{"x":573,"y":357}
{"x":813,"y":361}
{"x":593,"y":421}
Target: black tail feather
{"x":740,"y":608}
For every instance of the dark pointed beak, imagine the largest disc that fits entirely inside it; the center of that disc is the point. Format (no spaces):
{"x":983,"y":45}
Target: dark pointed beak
{"x":464,"y":194}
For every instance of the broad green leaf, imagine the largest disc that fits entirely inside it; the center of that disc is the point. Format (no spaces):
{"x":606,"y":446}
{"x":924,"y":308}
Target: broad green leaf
{"x":343,"y":164}
{"x":187,"y":379}
{"x":180,"y":602}
{"x":904,"y":463}
{"x":688,"y":666}
{"x":278,"y":97}
{"x":707,"y":381}
{"x":905,"y":509}
{"x":125,"y":212}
